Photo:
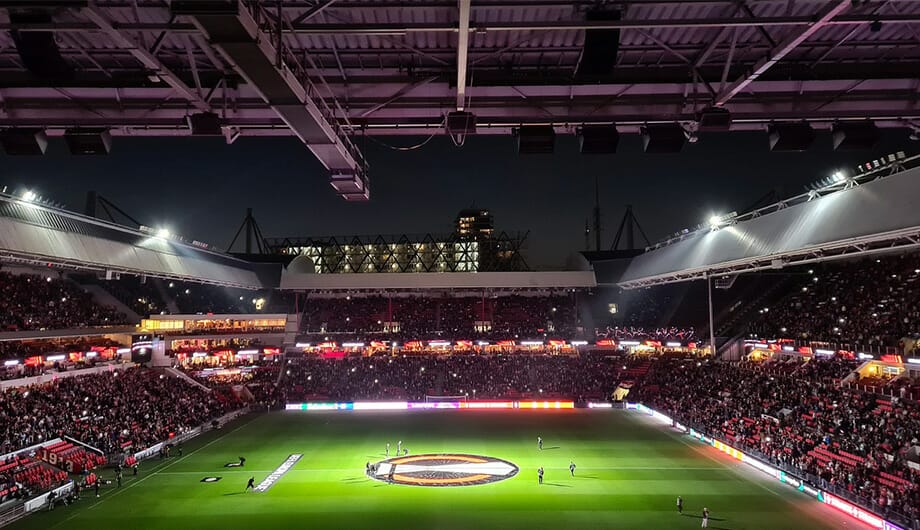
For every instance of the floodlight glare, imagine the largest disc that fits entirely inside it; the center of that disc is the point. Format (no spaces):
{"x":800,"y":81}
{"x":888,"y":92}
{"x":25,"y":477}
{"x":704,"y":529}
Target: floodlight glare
{"x":163,"y":232}
{"x":838,"y":176}
{"x":715,"y":220}
{"x":28,"y":195}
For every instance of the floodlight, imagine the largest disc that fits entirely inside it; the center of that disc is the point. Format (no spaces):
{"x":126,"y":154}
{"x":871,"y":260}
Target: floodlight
{"x":715,"y":220}
{"x":29,"y":196}
{"x":163,"y":232}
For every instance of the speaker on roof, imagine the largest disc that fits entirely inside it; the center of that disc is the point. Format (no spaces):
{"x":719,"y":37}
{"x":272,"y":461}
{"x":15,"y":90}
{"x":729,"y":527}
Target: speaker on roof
{"x":204,"y":124}
{"x":791,"y":136}
{"x":459,"y":122}
{"x":714,"y":119}
{"x":88,"y":141}
{"x":599,"y":52}
{"x":662,"y":137}
{"x":24,"y":142}
{"x":204,"y":7}
{"x":850,"y":136}
{"x":535,"y":139}
{"x":598,"y":139}
{"x":38,"y":49}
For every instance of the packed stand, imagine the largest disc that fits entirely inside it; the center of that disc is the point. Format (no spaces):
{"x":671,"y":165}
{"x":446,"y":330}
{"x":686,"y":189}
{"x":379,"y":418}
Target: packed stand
{"x":32,"y":302}
{"x":851,"y":442}
{"x":137,"y":407}
{"x":869,"y":302}
{"x":477,"y":376}
{"x":505,"y":317}
{"x":259,"y":380}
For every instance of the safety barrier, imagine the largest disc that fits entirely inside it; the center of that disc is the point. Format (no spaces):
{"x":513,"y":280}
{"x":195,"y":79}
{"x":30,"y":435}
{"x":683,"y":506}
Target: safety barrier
{"x":791,"y":478}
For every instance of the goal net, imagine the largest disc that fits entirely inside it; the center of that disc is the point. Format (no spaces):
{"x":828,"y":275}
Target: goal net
{"x":437,"y":399}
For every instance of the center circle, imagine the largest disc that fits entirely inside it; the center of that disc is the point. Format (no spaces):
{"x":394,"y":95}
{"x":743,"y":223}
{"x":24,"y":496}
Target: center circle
{"x":442,"y":470}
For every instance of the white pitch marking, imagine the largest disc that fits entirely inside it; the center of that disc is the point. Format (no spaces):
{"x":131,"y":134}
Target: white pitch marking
{"x":484,"y":468}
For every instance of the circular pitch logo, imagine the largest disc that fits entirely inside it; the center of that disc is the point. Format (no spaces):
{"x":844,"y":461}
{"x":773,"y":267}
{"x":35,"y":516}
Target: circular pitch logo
{"x":443,"y":470}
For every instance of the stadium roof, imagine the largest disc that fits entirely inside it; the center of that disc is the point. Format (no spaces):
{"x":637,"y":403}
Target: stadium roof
{"x":383,"y":281}
{"x":35,"y":233}
{"x":843,"y":219}
{"x":327,"y":70}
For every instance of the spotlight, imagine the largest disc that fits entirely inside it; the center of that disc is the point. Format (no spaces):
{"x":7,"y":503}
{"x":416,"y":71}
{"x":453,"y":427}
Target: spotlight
{"x":163,"y":232}
{"x":715,"y":220}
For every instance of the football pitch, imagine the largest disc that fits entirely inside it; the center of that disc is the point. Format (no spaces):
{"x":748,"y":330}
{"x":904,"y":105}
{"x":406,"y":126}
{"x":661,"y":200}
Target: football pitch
{"x":629,"y":472}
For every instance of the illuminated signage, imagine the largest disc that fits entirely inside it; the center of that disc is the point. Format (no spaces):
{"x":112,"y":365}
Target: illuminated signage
{"x":853,"y":511}
{"x":446,"y":405}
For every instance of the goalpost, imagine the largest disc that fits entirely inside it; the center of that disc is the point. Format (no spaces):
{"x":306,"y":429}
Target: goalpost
{"x":437,"y":399}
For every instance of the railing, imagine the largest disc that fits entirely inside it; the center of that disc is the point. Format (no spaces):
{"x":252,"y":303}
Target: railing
{"x":13,"y":514}
{"x":288,"y":60}
{"x":870,"y":505}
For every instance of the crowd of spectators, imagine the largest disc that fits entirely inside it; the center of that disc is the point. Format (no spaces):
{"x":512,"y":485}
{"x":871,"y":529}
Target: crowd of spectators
{"x":458,"y":317}
{"x":32,"y":302}
{"x":106,"y":410}
{"x":640,"y":333}
{"x":869,"y":302}
{"x":27,"y":348}
{"x":800,"y":415}
{"x":155,"y":296}
{"x":259,"y":379}
{"x":413,"y":377}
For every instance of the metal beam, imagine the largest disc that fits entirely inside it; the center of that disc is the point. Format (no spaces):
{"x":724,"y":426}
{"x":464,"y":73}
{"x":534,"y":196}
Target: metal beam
{"x":276,"y":75}
{"x":317,"y":8}
{"x":463,"y":41}
{"x":399,"y":93}
{"x":146,"y":58}
{"x":782,"y":49}
{"x":399,"y":29}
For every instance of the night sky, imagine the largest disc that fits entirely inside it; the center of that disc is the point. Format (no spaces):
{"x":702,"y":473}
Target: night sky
{"x":199,"y":188}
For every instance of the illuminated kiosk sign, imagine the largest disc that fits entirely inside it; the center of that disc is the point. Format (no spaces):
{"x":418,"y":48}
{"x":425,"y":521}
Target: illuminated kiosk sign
{"x":440,"y":470}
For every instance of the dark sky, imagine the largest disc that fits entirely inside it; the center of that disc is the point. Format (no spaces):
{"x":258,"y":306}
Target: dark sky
{"x":200,"y":187}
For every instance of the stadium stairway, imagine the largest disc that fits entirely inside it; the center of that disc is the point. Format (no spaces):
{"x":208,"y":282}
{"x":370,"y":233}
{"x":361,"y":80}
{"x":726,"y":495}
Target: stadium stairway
{"x":181,"y":375}
{"x":105,"y":298}
{"x":769,"y":290}
{"x":171,"y":304}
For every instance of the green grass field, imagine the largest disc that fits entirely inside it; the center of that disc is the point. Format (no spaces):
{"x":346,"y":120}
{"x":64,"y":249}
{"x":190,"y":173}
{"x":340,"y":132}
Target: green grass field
{"x":630,"y":471}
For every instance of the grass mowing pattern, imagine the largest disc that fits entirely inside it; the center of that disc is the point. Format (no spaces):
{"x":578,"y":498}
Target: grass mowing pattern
{"x":629,"y":473}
